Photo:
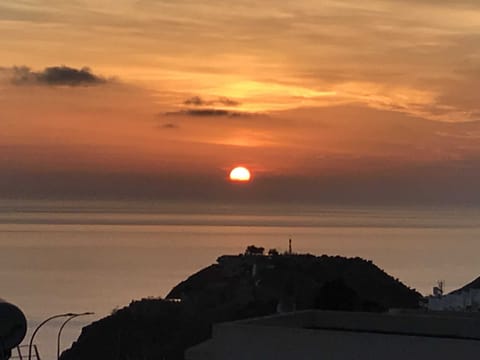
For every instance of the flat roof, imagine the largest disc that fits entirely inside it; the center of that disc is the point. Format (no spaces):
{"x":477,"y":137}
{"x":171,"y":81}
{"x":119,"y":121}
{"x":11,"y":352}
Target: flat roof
{"x":455,"y":326}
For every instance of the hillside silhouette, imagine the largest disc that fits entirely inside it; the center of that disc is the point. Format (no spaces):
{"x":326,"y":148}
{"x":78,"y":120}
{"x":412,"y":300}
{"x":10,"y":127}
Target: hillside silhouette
{"x":238,"y":287}
{"x":475,"y":284}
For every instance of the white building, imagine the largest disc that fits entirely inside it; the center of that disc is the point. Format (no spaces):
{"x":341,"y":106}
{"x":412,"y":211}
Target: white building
{"x":468,"y":300}
{"x":344,"y":336}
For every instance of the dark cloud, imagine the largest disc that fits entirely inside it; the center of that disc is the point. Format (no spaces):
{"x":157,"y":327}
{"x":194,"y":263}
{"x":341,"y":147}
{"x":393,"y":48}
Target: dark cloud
{"x":56,"y":76}
{"x":198,"y":101}
{"x":195,"y":101}
{"x":228,"y":102}
{"x":209,"y":112}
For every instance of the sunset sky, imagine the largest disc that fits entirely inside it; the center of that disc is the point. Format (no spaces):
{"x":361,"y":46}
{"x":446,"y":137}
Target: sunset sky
{"x":326,"y":101}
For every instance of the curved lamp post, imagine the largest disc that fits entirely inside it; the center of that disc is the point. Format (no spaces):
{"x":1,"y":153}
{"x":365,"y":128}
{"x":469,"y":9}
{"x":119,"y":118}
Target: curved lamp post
{"x":72,"y":316}
{"x":38,"y":328}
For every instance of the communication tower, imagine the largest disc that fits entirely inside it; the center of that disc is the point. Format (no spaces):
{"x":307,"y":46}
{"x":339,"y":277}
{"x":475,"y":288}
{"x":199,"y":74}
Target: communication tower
{"x":438,"y":290}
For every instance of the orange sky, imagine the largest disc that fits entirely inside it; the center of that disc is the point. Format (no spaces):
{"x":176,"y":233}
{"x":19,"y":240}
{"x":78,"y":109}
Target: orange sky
{"x":305,"y":92}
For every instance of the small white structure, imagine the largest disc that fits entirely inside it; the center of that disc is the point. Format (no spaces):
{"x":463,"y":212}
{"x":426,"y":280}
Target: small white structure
{"x":468,"y":300}
{"x":308,"y":335}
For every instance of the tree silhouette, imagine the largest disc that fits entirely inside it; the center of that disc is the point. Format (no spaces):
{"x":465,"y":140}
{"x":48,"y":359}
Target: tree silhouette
{"x":253,"y":250}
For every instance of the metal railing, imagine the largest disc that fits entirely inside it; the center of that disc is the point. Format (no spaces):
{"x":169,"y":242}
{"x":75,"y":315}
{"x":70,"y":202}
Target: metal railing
{"x":21,"y":353}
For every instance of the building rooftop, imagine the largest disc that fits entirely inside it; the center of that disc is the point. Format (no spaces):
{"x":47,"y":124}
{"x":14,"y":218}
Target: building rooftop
{"x":444,"y":325}
{"x":337,"y":335}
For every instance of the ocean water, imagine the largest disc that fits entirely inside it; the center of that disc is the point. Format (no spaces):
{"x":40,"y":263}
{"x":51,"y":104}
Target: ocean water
{"x":60,"y":257}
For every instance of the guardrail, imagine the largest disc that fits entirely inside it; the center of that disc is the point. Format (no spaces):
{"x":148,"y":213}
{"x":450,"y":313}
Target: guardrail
{"x":21,"y":353}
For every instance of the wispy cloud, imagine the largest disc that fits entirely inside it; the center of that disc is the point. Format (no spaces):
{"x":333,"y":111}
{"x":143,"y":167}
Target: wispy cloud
{"x":304,"y":46}
{"x":222,"y":101}
{"x":210,"y":112}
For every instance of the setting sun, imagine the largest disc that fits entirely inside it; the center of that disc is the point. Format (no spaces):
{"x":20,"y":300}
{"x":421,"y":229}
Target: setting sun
{"x":240,"y":173}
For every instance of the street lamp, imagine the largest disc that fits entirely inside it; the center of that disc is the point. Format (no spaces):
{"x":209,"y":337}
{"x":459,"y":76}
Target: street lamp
{"x":72,"y":316}
{"x":38,"y":328}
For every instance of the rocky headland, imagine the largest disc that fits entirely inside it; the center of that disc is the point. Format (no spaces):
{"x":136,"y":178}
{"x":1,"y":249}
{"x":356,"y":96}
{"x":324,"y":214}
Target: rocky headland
{"x":237,"y":287}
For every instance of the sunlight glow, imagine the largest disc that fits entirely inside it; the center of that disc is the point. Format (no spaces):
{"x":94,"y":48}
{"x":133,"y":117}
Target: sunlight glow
{"x":241,"y":174}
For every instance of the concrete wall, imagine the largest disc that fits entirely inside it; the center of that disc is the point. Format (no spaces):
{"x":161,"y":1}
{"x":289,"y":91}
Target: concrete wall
{"x":344,"y":336}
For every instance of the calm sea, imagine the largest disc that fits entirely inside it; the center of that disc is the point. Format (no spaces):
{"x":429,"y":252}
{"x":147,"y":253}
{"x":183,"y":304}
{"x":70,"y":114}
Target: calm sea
{"x":96,"y":256}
